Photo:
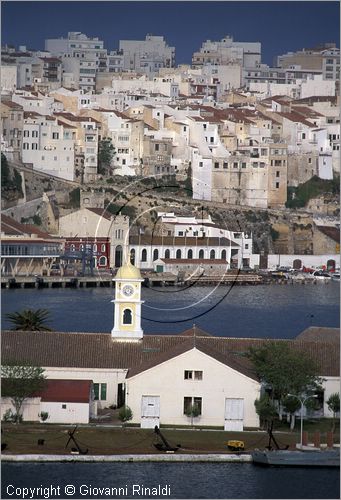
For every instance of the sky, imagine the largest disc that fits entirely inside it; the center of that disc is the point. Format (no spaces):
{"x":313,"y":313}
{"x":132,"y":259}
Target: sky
{"x":279,"y":26}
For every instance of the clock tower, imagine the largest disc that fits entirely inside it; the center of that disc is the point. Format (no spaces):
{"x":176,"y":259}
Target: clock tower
{"x":127,"y":312}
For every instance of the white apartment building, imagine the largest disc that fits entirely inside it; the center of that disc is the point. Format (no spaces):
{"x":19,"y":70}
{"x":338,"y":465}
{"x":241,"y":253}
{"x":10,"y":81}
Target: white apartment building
{"x":79,"y":45}
{"x":298,"y":89}
{"x":48,"y":146}
{"x":147,"y":56}
{"x":225,"y":51}
{"x":8,"y":79}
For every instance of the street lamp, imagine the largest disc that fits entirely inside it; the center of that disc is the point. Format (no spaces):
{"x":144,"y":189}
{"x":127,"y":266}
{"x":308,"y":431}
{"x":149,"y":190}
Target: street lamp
{"x":302,"y":401}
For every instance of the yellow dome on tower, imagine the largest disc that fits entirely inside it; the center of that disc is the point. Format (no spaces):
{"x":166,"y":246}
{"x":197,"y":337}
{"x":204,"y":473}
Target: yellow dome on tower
{"x":128,"y":271}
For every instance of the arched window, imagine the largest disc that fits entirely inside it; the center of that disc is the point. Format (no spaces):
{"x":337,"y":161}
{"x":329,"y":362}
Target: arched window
{"x":81,"y":248}
{"x":297,"y":264}
{"x":167,"y":254}
{"x":178,"y":254}
{"x":190,"y":254}
{"x":72,"y":247}
{"x":118,"y":256}
{"x":103,"y":247}
{"x":223,"y":254}
{"x":132,"y":256}
{"x":144,"y":255}
{"x":102,"y":261}
{"x":212,"y":254}
{"x":155,"y":254}
{"x":127,"y":317}
{"x":94,"y":248}
{"x":201,"y":254}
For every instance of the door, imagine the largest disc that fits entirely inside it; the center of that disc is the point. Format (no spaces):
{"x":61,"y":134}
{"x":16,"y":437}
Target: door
{"x":150,"y":412}
{"x":234,"y":414}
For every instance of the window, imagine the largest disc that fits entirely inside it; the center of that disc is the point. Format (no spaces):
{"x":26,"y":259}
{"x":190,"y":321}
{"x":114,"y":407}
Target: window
{"x":63,"y":407}
{"x":103,"y":261}
{"x":243,"y":165}
{"x":144,"y":255}
{"x":216,"y":164}
{"x":189,"y":401}
{"x":155,"y":254}
{"x":94,"y":247}
{"x":223,"y":254}
{"x":178,"y":254}
{"x":235,"y":164}
{"x":188,"y":375}
{"x":55,"y":135}
{"x":25,"y":145}
{"x":212,"y":254}
{"x":277,"y":185}
{"x":225,"y":165}
{"x":190,"y":254}
{"x":167,"y":254}
{"x":201,"y":254}
{"x":157,"y":147}
{"x":100,"y":392}
{"x":201,"y":164}
{"x":277,"y":173}
{"x":34,"y":145}
{"x":103,"y":247}
{"x":127,"y":317}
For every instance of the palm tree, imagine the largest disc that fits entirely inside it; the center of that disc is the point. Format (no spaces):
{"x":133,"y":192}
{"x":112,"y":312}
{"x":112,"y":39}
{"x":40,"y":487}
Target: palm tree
{"x":30,"y":320}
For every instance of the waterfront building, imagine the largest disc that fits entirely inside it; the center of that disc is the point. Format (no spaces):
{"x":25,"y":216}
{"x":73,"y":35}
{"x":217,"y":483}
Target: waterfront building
{"x":96,"y":247}
{"x":98,"y":223}
{"x":26,"y":250}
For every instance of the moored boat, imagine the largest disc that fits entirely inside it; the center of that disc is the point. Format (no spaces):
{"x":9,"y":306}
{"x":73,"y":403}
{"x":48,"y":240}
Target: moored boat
{"x":295,"y":458}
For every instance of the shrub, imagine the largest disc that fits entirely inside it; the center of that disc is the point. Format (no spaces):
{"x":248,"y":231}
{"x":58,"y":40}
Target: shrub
{"x":125,"y":414}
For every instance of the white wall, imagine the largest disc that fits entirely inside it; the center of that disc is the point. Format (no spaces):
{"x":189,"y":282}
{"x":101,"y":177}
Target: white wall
{"x":307,"y":260}
{"x":29,"y":410}
{"x":74,"y":413}
{"x":330,"y":385}
{"x":219,"y":382}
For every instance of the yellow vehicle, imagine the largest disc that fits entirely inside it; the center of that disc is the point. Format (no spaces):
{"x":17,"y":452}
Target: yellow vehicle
{"x":235,"y":445}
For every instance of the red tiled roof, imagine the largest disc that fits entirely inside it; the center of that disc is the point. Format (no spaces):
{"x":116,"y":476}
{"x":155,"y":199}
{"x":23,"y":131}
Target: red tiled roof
{"x":11,"y":227}
{"x":97,"y":350}
{"x":331,"y":232}
{"x":11,"y":104}
{"x":66,"y":391}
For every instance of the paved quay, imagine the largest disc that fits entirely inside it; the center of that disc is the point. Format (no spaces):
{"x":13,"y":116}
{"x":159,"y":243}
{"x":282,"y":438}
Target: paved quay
{"x":167,"y":457}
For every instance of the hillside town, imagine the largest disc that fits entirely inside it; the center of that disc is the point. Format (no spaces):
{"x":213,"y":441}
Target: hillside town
{"x":84,"y":125}
{"x":170,"y":254}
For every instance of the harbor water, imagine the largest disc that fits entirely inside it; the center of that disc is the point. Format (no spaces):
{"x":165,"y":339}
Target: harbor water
{"x":188,"y":480}
{"x":273,"y":311}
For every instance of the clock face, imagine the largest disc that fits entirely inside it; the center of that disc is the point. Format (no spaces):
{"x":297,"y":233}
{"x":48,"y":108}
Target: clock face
{"x":127,"y":290}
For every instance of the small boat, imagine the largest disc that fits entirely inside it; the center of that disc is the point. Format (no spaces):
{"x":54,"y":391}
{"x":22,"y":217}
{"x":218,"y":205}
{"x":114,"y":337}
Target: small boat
{"x":295,"y":458}
{"x":336,"y":277}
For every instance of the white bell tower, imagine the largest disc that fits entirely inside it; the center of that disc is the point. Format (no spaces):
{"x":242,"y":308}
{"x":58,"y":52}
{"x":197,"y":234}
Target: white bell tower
{"x":127,"y":312}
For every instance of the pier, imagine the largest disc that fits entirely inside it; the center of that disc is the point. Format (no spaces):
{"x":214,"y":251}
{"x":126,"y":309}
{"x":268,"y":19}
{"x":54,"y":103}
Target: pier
{"x":57,"y":281}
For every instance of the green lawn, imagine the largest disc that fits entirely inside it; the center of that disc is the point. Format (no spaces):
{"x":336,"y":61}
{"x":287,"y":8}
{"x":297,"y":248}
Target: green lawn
{"x":23,"y":438}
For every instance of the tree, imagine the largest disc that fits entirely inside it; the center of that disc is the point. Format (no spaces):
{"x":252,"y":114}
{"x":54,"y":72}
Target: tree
{"x":283,"y":370}
{"x":192,"y":411}
{"x":333,"y":404}
{"x":30,"y":320}
{"x":291,"y":405}
{"x":106,"y":152}
{"x":266,"y":410}
{"x":19,"y":382}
